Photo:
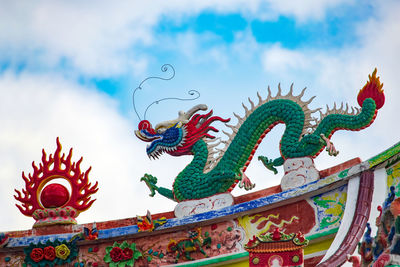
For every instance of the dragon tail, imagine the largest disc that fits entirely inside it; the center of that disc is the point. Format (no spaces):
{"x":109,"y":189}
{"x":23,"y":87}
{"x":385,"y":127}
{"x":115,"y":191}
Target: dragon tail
{"x":370,"y":98}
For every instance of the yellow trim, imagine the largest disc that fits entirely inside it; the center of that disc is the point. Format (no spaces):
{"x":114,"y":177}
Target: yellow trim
{"x":317,"y":247}
{"x":244,"y":263}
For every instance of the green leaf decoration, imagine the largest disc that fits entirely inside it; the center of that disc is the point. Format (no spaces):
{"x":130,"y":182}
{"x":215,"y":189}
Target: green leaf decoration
{"x":125,"y":245}
{"x":107,"y":258}
{"x":124,"y":262}
{"x":137,"y":254}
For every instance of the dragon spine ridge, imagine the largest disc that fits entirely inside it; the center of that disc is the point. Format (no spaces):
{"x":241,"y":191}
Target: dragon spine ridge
{"x":307,"y":128}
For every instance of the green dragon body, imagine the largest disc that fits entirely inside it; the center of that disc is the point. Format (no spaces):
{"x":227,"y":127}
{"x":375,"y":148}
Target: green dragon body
{"x":212,"y":172}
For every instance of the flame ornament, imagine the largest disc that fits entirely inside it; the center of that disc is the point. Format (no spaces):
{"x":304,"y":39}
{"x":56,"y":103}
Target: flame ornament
{"x":372,"y":89}
{"x":51,"y":203}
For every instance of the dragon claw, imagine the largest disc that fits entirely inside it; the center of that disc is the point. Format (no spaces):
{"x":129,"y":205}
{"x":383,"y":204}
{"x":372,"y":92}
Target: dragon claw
{"x":330,"y":148}
{"x":268,"y":163}
{"x":151,"y":182}
{"x":245,"y":182}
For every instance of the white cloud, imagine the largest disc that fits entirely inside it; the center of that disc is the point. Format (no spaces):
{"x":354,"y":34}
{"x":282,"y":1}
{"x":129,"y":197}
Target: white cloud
{"x":94,"y":37}
{"x":332,"y":71}
{"x":34,"y":110}
{"x":280,"y":60}
{"x":98,"y":38}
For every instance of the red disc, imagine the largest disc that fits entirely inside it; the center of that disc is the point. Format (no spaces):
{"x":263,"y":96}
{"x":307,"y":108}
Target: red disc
{"x":54,"y":196}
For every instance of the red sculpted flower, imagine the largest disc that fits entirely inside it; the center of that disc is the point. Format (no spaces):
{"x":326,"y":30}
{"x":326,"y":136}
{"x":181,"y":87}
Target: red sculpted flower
{"x":300,"y":236}
{"x":251,"y":241}
{"x":49,"y":253}
{"x":117,"y":254}
{"x":37,"y":254}
{"x":128,"y":253}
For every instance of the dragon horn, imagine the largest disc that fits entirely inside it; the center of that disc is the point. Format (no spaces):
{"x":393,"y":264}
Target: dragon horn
{"x":193,"y":110}
{"x":182,"y":117}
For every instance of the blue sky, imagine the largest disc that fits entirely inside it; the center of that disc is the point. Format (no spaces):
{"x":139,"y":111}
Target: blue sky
{"x":214,"y":30}
{"x":69,"y":68}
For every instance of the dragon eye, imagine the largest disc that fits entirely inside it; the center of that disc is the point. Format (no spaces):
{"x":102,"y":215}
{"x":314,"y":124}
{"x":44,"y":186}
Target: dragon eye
{"x":161,"y":130}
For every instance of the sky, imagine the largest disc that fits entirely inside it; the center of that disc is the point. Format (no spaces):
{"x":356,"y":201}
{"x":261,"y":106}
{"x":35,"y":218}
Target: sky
{"x":68,"y":69}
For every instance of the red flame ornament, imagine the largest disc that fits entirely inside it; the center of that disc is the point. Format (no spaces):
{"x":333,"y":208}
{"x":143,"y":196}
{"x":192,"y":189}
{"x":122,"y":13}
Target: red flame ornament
{"x":372,"y":89}
{"x":52,"y":203}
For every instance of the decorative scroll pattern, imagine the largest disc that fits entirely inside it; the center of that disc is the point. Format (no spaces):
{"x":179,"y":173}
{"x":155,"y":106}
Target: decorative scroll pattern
{"x":330,"y":207}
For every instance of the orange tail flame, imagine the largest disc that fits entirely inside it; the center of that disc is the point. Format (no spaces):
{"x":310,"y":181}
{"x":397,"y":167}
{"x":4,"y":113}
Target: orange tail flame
{"x":372,"y":89}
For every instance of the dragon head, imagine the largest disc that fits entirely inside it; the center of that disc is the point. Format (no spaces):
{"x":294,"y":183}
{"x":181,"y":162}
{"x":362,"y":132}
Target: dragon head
{"x":177,"y":137}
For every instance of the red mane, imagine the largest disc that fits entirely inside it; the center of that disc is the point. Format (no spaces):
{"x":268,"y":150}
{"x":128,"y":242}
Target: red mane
{"x":197,"y":128}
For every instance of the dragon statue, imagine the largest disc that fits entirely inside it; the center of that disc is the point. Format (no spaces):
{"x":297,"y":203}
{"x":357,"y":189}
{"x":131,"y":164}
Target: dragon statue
{"x":214,"y":170}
